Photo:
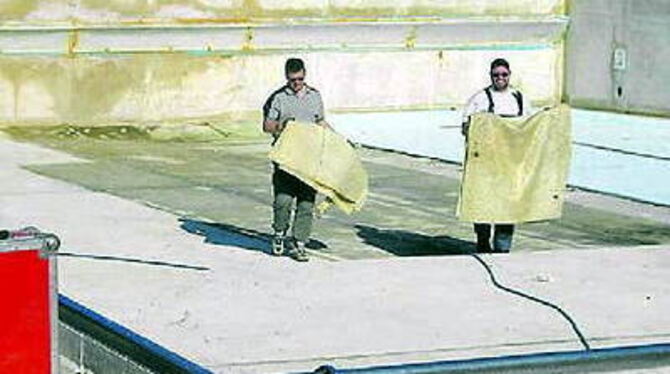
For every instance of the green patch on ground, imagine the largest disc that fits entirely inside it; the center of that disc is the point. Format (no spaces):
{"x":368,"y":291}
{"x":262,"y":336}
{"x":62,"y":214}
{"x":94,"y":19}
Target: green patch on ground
{"x":179,"y":132}
{"x":408,"y":213}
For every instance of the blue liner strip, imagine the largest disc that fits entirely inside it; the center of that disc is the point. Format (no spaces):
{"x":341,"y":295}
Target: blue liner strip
{"x":508,"y":362}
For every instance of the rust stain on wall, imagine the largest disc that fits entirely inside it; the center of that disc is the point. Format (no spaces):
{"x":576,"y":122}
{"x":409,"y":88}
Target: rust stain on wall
{"x":410,"y":38}
{"x":72,"y":42}
{"x":248,"y":43}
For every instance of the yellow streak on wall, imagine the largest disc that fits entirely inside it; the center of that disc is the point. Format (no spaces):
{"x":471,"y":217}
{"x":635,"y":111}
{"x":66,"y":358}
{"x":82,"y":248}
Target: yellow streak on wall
{"x":16,"y":9}
{"x":410,"y":39}
{"x":72,"y":42}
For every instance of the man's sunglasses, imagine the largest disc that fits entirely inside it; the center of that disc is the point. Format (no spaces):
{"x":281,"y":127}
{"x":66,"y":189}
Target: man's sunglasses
{"x":496,"y":75}
{"x":297,"y":79}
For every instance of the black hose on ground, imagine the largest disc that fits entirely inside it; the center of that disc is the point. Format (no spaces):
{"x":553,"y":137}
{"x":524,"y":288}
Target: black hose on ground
{"x":565,"y":315}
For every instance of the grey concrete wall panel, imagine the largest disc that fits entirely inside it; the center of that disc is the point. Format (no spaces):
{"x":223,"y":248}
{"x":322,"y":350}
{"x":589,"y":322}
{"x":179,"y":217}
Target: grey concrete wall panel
{"x":648,"y":45}
{"x":15,"y":41}
{"x":354,"y":36}
{"x":420,"y":35}
{"x":161,"y":39}
{"x":488,"y":32}
{"x":357,"y":35}
{"x":640,"y":29}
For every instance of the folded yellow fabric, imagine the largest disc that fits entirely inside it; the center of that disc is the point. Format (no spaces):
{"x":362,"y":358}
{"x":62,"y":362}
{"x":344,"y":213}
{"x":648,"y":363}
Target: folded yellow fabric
{"x":324,"y":160}
{"x":516,"y":169}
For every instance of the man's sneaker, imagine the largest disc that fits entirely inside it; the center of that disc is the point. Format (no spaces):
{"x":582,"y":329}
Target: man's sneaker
{"x":278,"y":244}
{"x":500,"y":250}
{"x":298,"y":252}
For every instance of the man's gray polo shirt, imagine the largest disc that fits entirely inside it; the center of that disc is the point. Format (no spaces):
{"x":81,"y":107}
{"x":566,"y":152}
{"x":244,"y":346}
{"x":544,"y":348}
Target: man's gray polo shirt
{"x":284,"y":105}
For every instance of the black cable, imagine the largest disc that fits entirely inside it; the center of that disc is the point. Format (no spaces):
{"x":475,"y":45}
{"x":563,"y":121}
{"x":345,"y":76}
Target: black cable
{"x":536,"y":299}
{"x":131,"y":260}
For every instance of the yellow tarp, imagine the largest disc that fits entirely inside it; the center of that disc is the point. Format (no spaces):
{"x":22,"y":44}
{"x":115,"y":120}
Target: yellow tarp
{"x":516,"y":169}
{"x":324,"y":160}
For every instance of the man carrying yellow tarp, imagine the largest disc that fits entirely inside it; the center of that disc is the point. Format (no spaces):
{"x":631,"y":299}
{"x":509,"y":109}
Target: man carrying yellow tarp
{"x":298,"y":102}
{"x":515,"y":166}
{"x":308,"y":157}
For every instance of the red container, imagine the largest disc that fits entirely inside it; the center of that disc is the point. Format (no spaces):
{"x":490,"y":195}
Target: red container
{"x":28,"y":313}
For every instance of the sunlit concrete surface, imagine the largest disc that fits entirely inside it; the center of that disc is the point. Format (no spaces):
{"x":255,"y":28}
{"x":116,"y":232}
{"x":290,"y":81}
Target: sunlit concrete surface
{"x":391,"y":285}
{"x":613,"y":153}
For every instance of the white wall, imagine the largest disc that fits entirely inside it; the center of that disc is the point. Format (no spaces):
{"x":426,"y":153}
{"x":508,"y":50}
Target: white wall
{"x":101,"y":61}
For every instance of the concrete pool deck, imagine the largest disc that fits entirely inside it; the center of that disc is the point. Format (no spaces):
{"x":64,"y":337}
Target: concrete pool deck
{"x":133,"y":257}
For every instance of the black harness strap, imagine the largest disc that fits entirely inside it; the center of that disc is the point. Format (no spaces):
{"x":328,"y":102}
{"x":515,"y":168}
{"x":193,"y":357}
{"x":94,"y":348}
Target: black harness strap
{"x":488,"y":95}
{"x":519,"y":101}
{"x":516,"y":94}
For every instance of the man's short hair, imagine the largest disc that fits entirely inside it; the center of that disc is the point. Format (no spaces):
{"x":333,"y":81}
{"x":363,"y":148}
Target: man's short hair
{"x":499,"y":62}
{"x":294,"y":65}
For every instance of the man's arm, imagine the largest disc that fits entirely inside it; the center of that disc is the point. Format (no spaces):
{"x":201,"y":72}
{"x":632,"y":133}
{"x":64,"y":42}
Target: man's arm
{"x":476,"y":104}
{"x":465,"y":126}
{"x":271,"y":114}
{"x":470,"y":108}
{"x":319,"y":117}
{"x":325,"y":124}
{"x":271,"y":126}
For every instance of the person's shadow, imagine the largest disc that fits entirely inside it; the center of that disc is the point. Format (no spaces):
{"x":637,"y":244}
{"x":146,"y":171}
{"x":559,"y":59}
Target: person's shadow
{"x":405,"y":243}
{"x":235,"y":236}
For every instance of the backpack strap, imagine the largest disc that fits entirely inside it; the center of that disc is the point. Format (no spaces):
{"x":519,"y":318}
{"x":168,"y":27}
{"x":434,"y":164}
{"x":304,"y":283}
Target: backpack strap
{"x":519,"y":101}
{"x":487,"y":90}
